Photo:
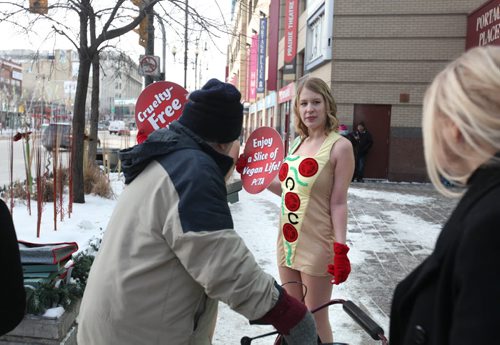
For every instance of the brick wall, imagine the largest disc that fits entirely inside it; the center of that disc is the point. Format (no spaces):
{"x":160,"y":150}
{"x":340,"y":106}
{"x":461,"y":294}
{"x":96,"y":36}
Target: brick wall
{"x":384,"y":48}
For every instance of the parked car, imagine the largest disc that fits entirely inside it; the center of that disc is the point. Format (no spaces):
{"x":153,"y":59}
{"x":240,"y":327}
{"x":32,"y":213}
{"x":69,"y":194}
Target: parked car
{"x":124,"y":131}
{"x":116,"y":126}
{"x":56,"y":133}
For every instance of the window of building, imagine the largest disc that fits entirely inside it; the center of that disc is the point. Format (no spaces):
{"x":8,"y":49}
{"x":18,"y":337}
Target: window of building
{"x":250,"y":11}
{"x":302,"y":6}
{"x":315,"y":37}
{"x":300,"y":64}
{"x":319,"y":35}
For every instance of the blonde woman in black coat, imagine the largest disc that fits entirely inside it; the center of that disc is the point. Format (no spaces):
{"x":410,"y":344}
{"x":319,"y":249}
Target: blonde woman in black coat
{"x":453,"y":297}
{"x":12,"y":294}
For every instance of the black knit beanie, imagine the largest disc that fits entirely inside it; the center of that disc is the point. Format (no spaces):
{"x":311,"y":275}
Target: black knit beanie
{"x":215,"y":112}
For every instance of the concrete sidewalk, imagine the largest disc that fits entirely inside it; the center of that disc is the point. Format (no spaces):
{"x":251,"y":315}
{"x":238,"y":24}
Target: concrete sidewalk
{"x":394,"y":227}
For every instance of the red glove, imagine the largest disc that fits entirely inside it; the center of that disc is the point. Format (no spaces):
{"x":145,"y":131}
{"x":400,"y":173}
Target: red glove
{"x":141,"y":137}
{"x":342,"y":267}
{"x":241,"y":163}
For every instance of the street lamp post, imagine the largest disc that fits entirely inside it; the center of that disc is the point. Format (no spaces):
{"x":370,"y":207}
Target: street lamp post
{"x":164,"y":46}
{"x":185,"y":43}
{"x":196,"y":52}
{"x":174,"y":51}
{"x":150,"y":46}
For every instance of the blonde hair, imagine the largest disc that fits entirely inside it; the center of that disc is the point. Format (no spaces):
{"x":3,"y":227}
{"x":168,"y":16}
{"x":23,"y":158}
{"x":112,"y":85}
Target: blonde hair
{"x":316,"y":85}
{"x":466,"y":92}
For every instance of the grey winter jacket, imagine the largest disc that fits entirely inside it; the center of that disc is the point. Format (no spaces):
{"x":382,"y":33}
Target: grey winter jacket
{"x":169,"y":252}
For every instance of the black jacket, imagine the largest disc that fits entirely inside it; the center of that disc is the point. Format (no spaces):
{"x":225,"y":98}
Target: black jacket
{"x":453,"y":297}
{"x":365,"y":142}
{"x":12,"y":295}
{"x":162,"y":142}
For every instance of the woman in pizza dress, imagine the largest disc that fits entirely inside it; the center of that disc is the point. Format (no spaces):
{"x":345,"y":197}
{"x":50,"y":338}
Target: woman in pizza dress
{"x":313,"y":182}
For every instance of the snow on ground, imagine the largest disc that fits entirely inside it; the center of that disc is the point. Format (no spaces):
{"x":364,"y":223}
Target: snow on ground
{"x":396,"y":198}
{"x":54,"y":313}
{"x":415,"y":229}
{"x":256,"y":220}
{"x":87,"y":221}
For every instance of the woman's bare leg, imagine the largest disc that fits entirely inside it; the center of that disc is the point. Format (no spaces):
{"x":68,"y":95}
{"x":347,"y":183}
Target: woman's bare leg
{"x":319,"y":291}
{"x":291,"y":281}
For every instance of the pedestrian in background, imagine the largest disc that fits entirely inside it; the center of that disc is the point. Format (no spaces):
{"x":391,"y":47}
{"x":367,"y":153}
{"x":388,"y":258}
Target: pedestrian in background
{"x":453,"y":296}
{"x":12,"y":294}
{"x":364,"y":142}
{"x":170,"y":253}
{"x":344,"y":131}
{"x":313,"y":183}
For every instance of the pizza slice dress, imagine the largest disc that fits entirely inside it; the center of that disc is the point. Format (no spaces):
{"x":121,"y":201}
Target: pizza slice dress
{"x":306,"y":231}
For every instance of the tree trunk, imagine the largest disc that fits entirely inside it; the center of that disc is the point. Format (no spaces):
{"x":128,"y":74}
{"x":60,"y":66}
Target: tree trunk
{"x":94,"y":110}
{"x":79,"y":126}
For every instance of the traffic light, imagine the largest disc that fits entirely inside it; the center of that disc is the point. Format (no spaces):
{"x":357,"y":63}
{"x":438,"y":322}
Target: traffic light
{"x":143,"y":27}
{"x":143,"y":32}
{"x":39,"y":6}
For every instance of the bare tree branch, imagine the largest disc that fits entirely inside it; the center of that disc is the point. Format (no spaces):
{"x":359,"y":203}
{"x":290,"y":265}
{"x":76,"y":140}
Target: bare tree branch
{"x":62,"y":33}
{"x":112,"y":15}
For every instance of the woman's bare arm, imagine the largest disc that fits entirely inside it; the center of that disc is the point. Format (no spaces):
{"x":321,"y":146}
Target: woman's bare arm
{"x":342,"y":158}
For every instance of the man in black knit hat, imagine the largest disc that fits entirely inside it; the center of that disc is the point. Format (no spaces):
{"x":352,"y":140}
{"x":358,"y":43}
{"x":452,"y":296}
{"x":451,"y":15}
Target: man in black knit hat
{"x":170,"y":252}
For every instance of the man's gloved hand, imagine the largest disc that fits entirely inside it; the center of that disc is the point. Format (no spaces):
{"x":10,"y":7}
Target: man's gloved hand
{"x":291,"y":318}
{"x":304,"y":333}
{"x":241,"y":162}
{"x":342,"y":267}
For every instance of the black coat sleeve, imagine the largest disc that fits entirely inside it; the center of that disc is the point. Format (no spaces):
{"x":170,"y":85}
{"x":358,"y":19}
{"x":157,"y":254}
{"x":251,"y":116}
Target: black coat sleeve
{"x":365,"y":143}
{"x":477,"y":283}
{"x":12,"y":294}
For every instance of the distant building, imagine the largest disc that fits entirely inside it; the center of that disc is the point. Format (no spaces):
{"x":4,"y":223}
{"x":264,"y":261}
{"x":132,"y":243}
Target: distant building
{"x":120,"y":87}
{"x":49,"y":83}
{"x":11,"y":82}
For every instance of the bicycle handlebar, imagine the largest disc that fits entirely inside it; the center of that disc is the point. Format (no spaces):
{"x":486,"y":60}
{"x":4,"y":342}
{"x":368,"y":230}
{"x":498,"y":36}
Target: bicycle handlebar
{"x":362,"y":319}
{"x":358,"y":315}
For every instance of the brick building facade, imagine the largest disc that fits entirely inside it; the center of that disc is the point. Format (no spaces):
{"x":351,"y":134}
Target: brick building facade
{"x":383,"y":55}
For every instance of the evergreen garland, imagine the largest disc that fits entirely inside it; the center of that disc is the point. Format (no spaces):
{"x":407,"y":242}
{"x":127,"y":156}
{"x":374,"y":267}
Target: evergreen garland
{"x":61,"y":293}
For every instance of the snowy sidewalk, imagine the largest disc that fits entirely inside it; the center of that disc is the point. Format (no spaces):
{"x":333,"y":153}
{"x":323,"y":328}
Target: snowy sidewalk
{"x":392,"y":228}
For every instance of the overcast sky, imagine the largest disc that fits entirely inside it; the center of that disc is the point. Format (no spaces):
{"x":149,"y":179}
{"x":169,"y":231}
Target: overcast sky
{"x":211,"y":62}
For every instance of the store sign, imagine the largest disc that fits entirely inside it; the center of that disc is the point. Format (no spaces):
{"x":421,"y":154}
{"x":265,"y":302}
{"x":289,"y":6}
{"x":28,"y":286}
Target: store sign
{"x":252,"y":95}
{"x":286,"y":93}
{"x":291,"y":23}
{"x":17,"y":75}
{"x":483,"y":25}
{"x":271,"y":100}
{"x":261,"y":60}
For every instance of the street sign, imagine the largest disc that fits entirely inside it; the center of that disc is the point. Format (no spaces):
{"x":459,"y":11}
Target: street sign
{"x":149,"y":65}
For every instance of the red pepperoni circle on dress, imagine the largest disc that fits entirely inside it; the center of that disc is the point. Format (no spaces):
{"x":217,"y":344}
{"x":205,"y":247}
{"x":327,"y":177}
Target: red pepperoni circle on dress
{"x":292,"y":201}
{"x":283,"y":172}
{"x":290,"y":232}
{"x":308,"y":167}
